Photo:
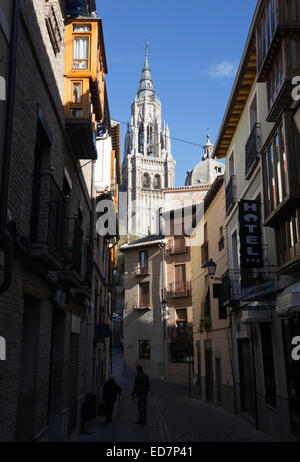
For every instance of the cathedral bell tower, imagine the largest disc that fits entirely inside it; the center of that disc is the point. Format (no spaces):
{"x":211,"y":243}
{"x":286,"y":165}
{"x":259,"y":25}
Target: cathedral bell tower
{"x":148,"y":165}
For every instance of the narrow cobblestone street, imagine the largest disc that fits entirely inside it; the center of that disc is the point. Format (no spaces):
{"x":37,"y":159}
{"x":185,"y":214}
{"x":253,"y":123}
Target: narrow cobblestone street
{"x":173,"y":417}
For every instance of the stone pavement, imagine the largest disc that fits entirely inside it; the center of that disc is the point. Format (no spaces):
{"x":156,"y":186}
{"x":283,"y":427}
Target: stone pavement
{"x":172,"y":417}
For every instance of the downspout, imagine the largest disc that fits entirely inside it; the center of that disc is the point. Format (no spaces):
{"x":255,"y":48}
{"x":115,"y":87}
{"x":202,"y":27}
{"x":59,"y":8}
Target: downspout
{"x":4,"y":232}
{"x":163,"y":295}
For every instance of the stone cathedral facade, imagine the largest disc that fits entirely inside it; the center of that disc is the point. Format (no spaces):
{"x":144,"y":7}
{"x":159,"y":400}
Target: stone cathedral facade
{"x":148,"y":165}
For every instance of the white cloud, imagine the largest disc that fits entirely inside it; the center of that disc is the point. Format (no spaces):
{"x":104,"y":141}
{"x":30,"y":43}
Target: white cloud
{"x":225,"y":69}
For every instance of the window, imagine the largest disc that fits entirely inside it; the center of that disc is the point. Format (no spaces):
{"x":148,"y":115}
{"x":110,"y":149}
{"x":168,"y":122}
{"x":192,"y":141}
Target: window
{"x":221,"y":240}
{"x":144,"y":349}
{"x":266,"y":30}
{"x":76,"y":92}
{"x":144,"y":259}
{"x":231,"y":165}
{"x":253,"y":117}
{"x":181,"y":321}
{"x":76,"y":112}
{"x":149,"y":140}
{"x":275,"y":171}
{"x":157,"y":182}
{"x":146,"y":181}
{"x":268,"y":361}
{"x":288,"y":238}
{"x":82,"y":27}
{"x":81,"y":52}
{"x":275,"y":78}
{"x":141,"y":139}
{"x":144,"y":294}
{"x":180,"y":278}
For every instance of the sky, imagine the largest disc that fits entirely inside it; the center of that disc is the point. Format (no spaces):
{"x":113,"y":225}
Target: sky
{"x":195,"y":47}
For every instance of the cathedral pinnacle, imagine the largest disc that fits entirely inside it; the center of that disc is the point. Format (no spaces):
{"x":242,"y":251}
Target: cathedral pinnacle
{"x":146,"y":82}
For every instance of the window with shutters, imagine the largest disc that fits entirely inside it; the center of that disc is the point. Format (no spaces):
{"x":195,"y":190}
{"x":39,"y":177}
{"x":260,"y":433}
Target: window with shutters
{"x":144,"y":294}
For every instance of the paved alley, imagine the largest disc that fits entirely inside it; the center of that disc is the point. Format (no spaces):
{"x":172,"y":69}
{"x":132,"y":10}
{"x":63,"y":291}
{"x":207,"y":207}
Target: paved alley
{"x":173,"y":417}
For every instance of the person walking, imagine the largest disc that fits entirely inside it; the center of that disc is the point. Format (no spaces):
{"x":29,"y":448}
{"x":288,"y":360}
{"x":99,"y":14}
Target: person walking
{"x":140,"y":390}
{"x":110,"y":392}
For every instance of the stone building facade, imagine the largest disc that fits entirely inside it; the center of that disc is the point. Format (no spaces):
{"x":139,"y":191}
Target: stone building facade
{"x":148,"y":165}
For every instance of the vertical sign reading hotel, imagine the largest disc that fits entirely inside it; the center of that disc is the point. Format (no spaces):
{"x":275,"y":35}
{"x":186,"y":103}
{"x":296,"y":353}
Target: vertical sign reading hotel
{"x":251,"y":250}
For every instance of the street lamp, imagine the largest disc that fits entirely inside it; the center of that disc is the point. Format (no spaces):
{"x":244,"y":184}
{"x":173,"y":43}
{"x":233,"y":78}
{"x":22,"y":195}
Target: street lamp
{"x":163,"y":304}
{"x":211,"y":266}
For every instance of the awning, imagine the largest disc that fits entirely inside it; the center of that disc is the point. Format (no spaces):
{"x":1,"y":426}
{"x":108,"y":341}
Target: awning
{"x":288,"y":303}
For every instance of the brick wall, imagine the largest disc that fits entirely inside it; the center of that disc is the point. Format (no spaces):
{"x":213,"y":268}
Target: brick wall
{"x":39,"y":86}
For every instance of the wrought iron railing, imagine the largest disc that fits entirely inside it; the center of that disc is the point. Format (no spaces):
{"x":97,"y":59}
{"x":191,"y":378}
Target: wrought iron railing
{"x":252,"y":149}
{"x":178,"y":335}
{"x":178,"y":245}
{"x":143,"y":303}
{"x":180,"y":289}
{"x":230,"y":194}
{"x":231,"y":288}
{"x":142,"y":270}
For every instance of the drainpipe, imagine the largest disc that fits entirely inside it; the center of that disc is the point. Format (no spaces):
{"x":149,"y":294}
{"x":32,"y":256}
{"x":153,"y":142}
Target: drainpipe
{"x":4,"y":232}
{"x":163,"y":294}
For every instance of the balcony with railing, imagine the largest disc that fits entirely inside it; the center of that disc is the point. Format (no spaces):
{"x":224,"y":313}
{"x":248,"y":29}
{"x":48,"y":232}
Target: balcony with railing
{"x":49,"y":224}
{"x":179,"y":335}
{"x":230,"y":194}
{"x":279,"y":18}
{"x":143,"y":303}
{"x":71,"y":273}
{"x":204,"y":254}
{"x":142,"y":270}
{"x":177,"y":245}
{"x":252,"y":150}
{"x":231,"y":288}
{"x":180,"y":289}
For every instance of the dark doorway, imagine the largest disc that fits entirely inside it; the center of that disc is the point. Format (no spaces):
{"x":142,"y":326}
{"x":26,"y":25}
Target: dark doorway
{"x":219,"y":381}
{"x":209,"y":371}
{"x":27,"y":385}
{"x":246,"y":377}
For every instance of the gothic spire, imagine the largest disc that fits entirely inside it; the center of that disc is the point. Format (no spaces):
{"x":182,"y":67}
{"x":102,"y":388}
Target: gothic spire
{"x":146,"y":82}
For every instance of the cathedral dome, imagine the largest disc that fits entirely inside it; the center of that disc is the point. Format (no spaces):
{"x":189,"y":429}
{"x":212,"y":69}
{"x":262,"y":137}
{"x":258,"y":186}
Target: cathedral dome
{"x":206,"y":171}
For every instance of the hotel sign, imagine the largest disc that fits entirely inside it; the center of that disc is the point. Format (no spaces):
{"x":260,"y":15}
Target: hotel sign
{"x":251,"y":250}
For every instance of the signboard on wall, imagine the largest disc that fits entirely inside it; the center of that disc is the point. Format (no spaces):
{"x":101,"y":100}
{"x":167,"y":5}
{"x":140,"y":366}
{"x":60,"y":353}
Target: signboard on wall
{"x":251,"y":250}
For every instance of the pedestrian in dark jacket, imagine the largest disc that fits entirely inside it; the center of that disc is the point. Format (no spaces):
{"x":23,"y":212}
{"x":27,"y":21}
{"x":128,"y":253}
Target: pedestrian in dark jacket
{"x":110,"y":392}
{"x":140,"y":390}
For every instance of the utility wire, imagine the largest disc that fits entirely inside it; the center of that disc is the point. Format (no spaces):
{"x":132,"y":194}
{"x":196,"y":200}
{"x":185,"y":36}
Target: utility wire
{"x":170,"y":137}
